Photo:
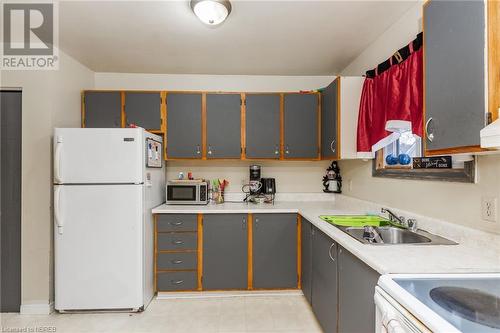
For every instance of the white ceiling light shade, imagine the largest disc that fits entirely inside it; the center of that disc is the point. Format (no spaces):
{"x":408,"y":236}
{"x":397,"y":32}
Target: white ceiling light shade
{"x":211,"y":12}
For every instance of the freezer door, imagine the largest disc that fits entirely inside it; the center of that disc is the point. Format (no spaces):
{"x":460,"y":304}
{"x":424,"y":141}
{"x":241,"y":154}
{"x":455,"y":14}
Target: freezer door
{"x":98,"y":241}
{"x":98,"y":155}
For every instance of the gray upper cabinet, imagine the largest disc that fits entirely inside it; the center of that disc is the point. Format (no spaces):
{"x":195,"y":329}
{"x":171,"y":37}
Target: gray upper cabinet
{"x":262,"y":125}
{"x":225,"y":251}
{"x":274,"y":251}
{"x":324,"y":283}
{"x":223,"y":126}
{"x":454,"y":73}
{"x":143,"y":109}
{"x":329,"y":124}
{"x":356,"y":283}
{"x":301,"y":126}
{"x":102,"y":109}
{"x":184,"y":125}
{"x":306,"y":255}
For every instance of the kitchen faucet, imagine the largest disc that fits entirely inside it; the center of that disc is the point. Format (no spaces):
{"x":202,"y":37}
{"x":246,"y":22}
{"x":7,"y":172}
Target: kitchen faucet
{"x":400,"y":221}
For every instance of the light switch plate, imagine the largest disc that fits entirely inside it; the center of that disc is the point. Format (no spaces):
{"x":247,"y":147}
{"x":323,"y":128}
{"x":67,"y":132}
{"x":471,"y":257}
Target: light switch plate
{"x":489,"y":209}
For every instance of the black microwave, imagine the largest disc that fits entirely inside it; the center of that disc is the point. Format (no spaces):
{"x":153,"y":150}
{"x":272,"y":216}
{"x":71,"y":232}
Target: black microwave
{"x":185,"y":192}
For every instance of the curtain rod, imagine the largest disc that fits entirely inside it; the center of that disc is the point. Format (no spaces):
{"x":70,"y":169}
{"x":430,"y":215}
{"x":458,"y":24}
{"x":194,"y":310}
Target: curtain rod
{"x":399,"y":56}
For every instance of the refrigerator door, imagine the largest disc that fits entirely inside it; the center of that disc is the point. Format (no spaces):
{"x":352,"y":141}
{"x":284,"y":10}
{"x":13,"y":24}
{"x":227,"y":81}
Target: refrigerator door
{"x":99,"y":155}
{"x":98,"y":240}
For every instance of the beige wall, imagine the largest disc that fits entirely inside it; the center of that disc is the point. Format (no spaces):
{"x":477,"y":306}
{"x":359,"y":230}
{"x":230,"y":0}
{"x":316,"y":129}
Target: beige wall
{"x":290,"y":176}
{"x":50,"y":99}
{"x":454,"y":202}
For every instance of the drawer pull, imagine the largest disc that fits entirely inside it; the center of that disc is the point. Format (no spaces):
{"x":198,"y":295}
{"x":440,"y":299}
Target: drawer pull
{"x":176,"y":261}
{"x":177,"y":242}
{"x":176,"y":223}
{"x":176,"y":281}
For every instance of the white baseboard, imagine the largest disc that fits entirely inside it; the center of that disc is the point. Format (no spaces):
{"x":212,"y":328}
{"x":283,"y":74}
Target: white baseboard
{"x":37,"y":308}
{"x":213,"y":294}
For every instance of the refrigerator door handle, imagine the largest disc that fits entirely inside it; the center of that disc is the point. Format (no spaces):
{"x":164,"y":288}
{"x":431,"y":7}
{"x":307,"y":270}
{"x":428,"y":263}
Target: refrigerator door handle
{"x":57,"y":160}
{"x":57,"y":214}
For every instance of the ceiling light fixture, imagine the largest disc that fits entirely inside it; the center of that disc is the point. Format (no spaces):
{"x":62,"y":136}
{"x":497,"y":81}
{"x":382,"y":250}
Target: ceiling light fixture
{"x":211,"y":12}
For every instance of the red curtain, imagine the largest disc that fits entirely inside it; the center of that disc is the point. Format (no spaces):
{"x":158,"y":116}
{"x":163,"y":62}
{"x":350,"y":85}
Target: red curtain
{"x":391,"y":102}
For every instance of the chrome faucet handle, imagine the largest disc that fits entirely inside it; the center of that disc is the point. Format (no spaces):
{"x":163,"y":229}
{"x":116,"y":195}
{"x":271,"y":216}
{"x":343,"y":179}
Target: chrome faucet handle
{"x":411,"y":224}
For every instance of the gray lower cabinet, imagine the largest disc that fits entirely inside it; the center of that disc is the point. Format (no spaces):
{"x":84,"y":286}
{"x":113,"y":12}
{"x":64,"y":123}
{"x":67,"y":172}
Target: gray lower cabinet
{"x":306,"y":259}
{"x":184,"y":125}
{"x":262,"y":125}
{"x":274,"y":251}
{"x":223,"y":126}
{"x":143,"y":109}
{"x":102,"y":109}
{"x":329,"y":124}
{"x":454,"y":73}
{"x":301,"y":126}
{"x":324,"y":282}
{"x":225,"y":251}
{"x":356,"y":283}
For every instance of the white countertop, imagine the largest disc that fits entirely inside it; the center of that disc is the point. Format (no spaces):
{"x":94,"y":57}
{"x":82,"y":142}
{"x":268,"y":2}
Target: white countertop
{"x":468,"y":257}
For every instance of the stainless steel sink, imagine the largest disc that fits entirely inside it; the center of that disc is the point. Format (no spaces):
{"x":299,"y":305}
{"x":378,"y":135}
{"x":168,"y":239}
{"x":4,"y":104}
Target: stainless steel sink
{"x":394,"y":235}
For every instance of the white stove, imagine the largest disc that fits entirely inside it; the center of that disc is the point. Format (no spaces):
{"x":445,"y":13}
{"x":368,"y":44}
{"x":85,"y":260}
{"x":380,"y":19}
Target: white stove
{"x":468,"y":303}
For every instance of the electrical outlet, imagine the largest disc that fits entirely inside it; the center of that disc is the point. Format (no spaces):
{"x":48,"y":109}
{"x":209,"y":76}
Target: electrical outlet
{"x":489,"y":209}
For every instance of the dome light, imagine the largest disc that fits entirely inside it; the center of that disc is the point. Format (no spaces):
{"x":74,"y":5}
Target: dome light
{"x":211,"y":12}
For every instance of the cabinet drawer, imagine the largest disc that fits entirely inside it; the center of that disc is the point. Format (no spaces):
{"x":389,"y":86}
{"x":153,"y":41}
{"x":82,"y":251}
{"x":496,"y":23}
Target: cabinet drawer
{"x":177,"y":222}
{"x":172,"y":281}
{"x":183,"y":260}
{"x":177,"y":241}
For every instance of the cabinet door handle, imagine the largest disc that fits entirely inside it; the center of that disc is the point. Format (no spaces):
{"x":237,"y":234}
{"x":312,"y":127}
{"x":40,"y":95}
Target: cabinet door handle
{"x":429,"y":135}
{"x":176,"y":262}
{"x":287,"y":150}
{"x":198,"y":150}
{"x":256,"y":223}
{"x":330,"y":252}
{"x":176,"y":223}
{"x":331,"y":146}
{"x":177,"y":242}
{"x":276,"y":150}
{"x":209,"y":152}
{"x":176,"y":281}
{"x":244,"y":224}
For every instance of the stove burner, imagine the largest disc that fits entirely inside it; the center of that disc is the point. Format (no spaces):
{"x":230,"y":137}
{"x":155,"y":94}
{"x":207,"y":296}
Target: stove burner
{"x":471,"y":304}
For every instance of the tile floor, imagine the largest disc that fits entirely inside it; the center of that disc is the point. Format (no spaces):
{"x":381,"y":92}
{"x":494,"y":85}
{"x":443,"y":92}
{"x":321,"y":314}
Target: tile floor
{"x":277,"y":313}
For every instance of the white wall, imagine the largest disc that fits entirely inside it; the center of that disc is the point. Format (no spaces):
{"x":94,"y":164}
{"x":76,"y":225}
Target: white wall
{"x":290,"y":176}
{"x":49,"y":99}
{"x":454,"y":202}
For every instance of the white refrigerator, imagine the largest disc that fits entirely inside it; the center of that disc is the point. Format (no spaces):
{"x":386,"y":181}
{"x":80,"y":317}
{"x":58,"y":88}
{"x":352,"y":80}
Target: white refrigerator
{"x":106,"y":181}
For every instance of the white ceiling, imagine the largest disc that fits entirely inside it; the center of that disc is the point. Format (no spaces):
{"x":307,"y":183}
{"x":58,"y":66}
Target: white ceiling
{"x":258,"y":38}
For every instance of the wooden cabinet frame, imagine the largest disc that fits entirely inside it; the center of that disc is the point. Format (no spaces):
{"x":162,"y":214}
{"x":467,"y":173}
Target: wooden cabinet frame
{"x":492,"y":71}
{"x":199,"y":252}
{"x":164,"y":121}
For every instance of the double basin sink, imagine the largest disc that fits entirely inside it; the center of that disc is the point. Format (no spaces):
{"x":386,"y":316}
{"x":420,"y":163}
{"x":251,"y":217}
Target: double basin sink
{"x":376,"y":230}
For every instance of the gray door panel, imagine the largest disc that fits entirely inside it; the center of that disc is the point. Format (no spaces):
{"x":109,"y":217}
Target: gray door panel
{"x":301,"y":126}
{"x":454,"y":72}
{"x":324,"y":282}
{"x":329,"y":99}
{"x":225,"y":251}
{"x":10,"y":203}
{"x":102,"y":109}
{"x":357,"y":283}
{"x":184,"y":125}
{"x":306,"y":259}
{"x":223,"y":126}
{"x":274,"y":251}
{"x":143,"y":109}
{"x":262,"y":125}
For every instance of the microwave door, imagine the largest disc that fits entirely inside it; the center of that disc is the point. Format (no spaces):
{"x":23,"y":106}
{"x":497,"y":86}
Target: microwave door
{"x":181,"y":193}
